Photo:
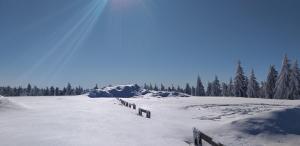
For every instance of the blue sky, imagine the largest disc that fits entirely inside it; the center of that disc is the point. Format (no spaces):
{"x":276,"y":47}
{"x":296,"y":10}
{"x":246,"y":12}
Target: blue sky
{"x":52,"y":42}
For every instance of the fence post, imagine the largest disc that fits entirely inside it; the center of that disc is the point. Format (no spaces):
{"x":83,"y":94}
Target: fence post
{"x":140,"y":112}
{"x":197,"y":137}
{"x":148,"y":114}
{"x":134,"y":106}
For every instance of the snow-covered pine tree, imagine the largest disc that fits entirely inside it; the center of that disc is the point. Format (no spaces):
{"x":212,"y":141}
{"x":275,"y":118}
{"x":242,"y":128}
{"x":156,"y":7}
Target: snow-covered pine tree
{"x":193,"y":91}
{"x":216,"y":87}
{"x":162,"y":87}
{"x":262,"y":90}
{"x":199,"y":88}
{"x":225,"y":90}
{"x":150,"y":87}
{"x":240,"y":82}
{"x":28,"y":90}
{"x":294,"y":84}
{"x":155,"y":88}
{"x":270,"y":83}
{"x":96,"y":87}
{"x":188,"y":89}
{"x":230,"y":88}
{"x":253,"y":87}
{"x":282,"y":83}
{"x":209,"y":89}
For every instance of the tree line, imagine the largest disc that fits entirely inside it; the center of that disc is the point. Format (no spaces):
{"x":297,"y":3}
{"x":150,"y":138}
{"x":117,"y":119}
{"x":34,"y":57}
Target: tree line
{"x":35,"y":91}
{"x":283,"y":85}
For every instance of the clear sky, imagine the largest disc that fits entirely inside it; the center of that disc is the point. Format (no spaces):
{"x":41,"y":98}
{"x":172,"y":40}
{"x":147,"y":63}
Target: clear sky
{"x":52,"y":42}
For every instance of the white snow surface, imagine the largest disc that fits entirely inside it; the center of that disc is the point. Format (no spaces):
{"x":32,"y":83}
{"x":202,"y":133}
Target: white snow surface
{"x":84,"y":121}
{"x":132,"y":90}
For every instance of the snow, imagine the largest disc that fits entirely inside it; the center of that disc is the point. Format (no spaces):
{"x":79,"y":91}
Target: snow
{"x":80,"y":120}
{"x":134,"y":90}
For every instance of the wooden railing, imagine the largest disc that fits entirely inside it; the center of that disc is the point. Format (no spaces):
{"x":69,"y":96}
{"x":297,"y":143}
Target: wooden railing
{"x":148,"y":113}
{"x":133,"y":106}
{"x":199,"y":136}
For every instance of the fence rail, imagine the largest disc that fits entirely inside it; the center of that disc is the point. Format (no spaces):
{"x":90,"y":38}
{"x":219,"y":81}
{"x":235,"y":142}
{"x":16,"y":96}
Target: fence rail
{"x":148,"y":113}
{"x":199,"y":136}
{"x":133,"y":106}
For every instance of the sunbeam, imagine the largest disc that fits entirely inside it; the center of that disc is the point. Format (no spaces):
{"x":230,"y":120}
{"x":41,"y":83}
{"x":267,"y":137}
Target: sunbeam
{"x":75,"y":31}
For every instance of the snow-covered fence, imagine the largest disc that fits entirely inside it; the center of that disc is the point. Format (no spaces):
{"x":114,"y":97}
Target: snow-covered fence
{"x":148,"y":113}
{"x":199,"y":136}
{"x":127,"y":104}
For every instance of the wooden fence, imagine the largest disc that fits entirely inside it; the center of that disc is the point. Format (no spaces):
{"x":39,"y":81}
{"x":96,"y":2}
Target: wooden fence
{"x":133,"y":106}
{"x":148,"y":113}
{"x":199,"y":136}
{"x":127,"y":104}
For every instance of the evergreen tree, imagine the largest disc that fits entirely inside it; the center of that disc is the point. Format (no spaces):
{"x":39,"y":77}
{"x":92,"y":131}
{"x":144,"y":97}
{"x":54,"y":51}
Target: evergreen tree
{"x":230,"y":88}
{"x":282,"y":83}
{"x":56,"y":91}
{"x":225,"y":90}
{"x":240,"y":82}
{"x":150,"y":87}
{"x":253,"y":87}
{"x":270,"y":83}
{"x":96,"y":87}
{"x":162,"y":87}
{"x":52,"y":91}
{"x":209,"y":89}
{"x":188,"y":89}
{"x":294,"y":84}
{"x":193,"y":91}
{"x":216,"y":87}
{"x":262,"y":90}
{"x":69,"y":89}
{"x":199,"y":88}
{"x":28,"y":90}
{"x":173,"y":88}
{"x":155,"y":88}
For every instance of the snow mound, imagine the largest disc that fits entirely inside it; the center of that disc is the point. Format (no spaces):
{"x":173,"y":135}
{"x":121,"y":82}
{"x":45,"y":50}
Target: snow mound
{"x":126,"y":91}
{"x":5,"y":104}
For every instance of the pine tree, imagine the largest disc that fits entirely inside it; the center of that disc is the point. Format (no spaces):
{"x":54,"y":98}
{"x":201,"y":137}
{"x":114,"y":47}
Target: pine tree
{"x":96,"y":87}
{"x":270,"y":83}
{"x":28,"y":90}
{"x":209,"y":89}
{"x":162,"y":87}
{"x":193,"y":91}
{"x":216,"y":87}
{"x":230,"y":88}
{"x":188,"y":89}
{"x":253,"y":87}
{"x":155,"y":88}
{"x":282,"y":83}
{"x":294,"y":84}
{"x":199,"y":88}
{"x":173,"y":88}
{"x":68,"y":89}
{"x":240,"y":82}
{"x":52,"y":91}
{"x":225,"y":90}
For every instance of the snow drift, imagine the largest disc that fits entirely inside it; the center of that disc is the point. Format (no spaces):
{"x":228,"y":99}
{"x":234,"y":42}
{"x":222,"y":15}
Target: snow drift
{"x":5,"y":104}
{"x":126,"y":91}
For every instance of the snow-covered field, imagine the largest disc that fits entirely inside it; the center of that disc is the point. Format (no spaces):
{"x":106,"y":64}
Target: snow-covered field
{"x":80,"y":120}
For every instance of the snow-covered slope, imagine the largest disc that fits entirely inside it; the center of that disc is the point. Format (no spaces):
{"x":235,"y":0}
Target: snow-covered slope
{"x":279,"y":127}
{"x":126,"y":91}
{"x":84,"y":121}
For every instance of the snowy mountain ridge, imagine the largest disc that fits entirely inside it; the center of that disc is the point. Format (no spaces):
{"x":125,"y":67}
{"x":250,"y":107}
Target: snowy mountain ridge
{"x":131,"y":90}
